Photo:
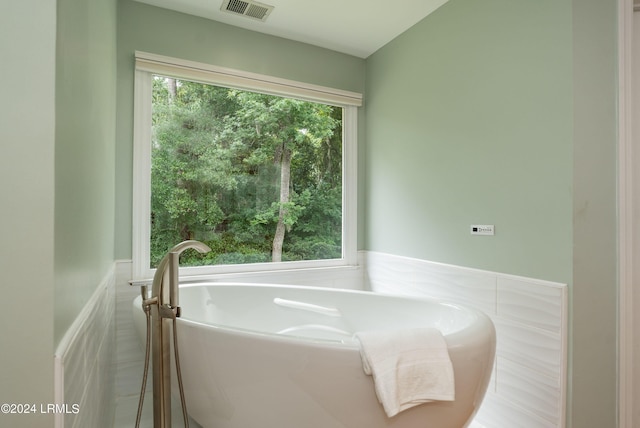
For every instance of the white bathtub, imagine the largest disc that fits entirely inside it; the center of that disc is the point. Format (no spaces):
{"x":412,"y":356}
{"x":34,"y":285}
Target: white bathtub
{"x":248,"y":362}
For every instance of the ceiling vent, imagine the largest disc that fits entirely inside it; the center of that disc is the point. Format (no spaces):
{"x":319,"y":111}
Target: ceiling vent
{"x":250,"y":9}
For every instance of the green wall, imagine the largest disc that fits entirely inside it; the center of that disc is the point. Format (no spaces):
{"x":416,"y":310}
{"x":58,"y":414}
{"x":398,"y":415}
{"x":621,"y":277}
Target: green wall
{"x":468,"y":121}
{"x":27,"y":126}
{"x":57,"y":170}
{"x":84,"y":153}
{"x":503,"y":112}
{"x":150,"y":29}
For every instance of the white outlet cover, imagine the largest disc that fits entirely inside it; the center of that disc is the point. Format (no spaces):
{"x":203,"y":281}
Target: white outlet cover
{"x":482,"y":229}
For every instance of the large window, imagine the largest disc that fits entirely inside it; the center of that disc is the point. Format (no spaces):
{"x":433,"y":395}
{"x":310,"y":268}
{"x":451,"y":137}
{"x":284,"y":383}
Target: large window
{"x":260,"y":169}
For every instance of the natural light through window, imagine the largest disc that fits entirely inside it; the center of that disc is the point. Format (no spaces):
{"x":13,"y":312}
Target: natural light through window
{"x":263,"y":176}
{"x":256,"y":177}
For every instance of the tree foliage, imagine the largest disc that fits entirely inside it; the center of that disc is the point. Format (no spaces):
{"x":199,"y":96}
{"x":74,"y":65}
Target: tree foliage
{"x":256,"y":177}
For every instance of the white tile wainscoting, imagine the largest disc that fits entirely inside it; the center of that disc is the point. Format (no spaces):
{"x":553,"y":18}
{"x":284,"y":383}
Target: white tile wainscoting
{"x":528,"y":387}
{"x":84,"y":363}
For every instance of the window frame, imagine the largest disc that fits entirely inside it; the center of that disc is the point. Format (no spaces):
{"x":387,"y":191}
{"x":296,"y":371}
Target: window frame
{"x":146,"y":65}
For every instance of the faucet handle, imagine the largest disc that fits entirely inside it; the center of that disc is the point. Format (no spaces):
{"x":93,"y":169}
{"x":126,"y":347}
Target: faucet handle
{"x":168,"y":311}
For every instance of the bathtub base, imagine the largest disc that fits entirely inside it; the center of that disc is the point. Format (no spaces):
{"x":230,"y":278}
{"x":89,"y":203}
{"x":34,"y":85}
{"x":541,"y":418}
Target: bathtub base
{"x":249,"y":363}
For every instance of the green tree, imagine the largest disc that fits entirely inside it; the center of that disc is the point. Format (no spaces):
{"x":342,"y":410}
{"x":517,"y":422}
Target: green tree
{"x":281,"y":129}
{"x":247,"y":173}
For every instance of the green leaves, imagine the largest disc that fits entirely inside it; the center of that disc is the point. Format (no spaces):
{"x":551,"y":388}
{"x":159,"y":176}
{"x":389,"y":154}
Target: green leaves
{"x":219,"y":157}
{"x":293,"y":210}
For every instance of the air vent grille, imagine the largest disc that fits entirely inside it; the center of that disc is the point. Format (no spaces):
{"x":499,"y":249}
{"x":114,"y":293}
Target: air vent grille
{"x":250,"y":9}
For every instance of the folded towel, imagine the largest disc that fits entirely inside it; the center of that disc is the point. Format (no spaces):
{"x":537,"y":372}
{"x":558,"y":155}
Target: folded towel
{"x":409,"y":367}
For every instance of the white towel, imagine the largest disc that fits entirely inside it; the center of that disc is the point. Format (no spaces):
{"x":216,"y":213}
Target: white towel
{"x":409,"y":367}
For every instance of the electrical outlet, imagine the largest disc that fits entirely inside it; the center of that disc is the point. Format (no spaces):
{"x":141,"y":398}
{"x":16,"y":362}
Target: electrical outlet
{"x":482,"y":229}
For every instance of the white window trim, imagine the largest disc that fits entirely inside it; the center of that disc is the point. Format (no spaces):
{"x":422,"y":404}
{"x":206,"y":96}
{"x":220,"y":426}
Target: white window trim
{"x":149,"y":64}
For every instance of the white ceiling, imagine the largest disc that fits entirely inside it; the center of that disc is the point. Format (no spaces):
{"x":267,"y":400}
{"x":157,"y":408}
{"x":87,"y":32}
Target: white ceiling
{"x":355,"y":27}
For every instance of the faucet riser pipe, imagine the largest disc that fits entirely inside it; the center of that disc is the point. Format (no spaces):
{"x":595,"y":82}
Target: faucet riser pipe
{"x":161,"y":370}
{"x":173,"y":279}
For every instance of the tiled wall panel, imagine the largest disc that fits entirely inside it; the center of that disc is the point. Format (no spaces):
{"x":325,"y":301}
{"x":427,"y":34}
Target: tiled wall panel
{"x":531,"y":302}
{"x":528,"y":388}
{"x":532,"y":347}
{"x":496,"y":411}
{"x":395,"y":274}
{"x":84,"y":363}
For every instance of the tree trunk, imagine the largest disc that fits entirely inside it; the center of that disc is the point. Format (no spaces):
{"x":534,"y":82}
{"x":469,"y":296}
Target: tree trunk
{"x":285,"y":179}
{"x":172,"y":86}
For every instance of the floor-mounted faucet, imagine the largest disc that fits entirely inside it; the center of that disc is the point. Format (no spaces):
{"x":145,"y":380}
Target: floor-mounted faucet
{"x":164,"y":309}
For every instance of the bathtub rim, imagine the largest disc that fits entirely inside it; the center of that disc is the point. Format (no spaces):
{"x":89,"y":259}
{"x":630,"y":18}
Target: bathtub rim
{"x":478,"y":329}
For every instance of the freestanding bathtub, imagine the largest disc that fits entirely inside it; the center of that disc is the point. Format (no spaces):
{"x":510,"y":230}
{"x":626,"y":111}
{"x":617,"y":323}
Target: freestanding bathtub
{"x":270,"y":356}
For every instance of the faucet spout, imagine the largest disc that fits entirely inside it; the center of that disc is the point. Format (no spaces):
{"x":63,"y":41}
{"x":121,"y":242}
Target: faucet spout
{"x":167,"y":272}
